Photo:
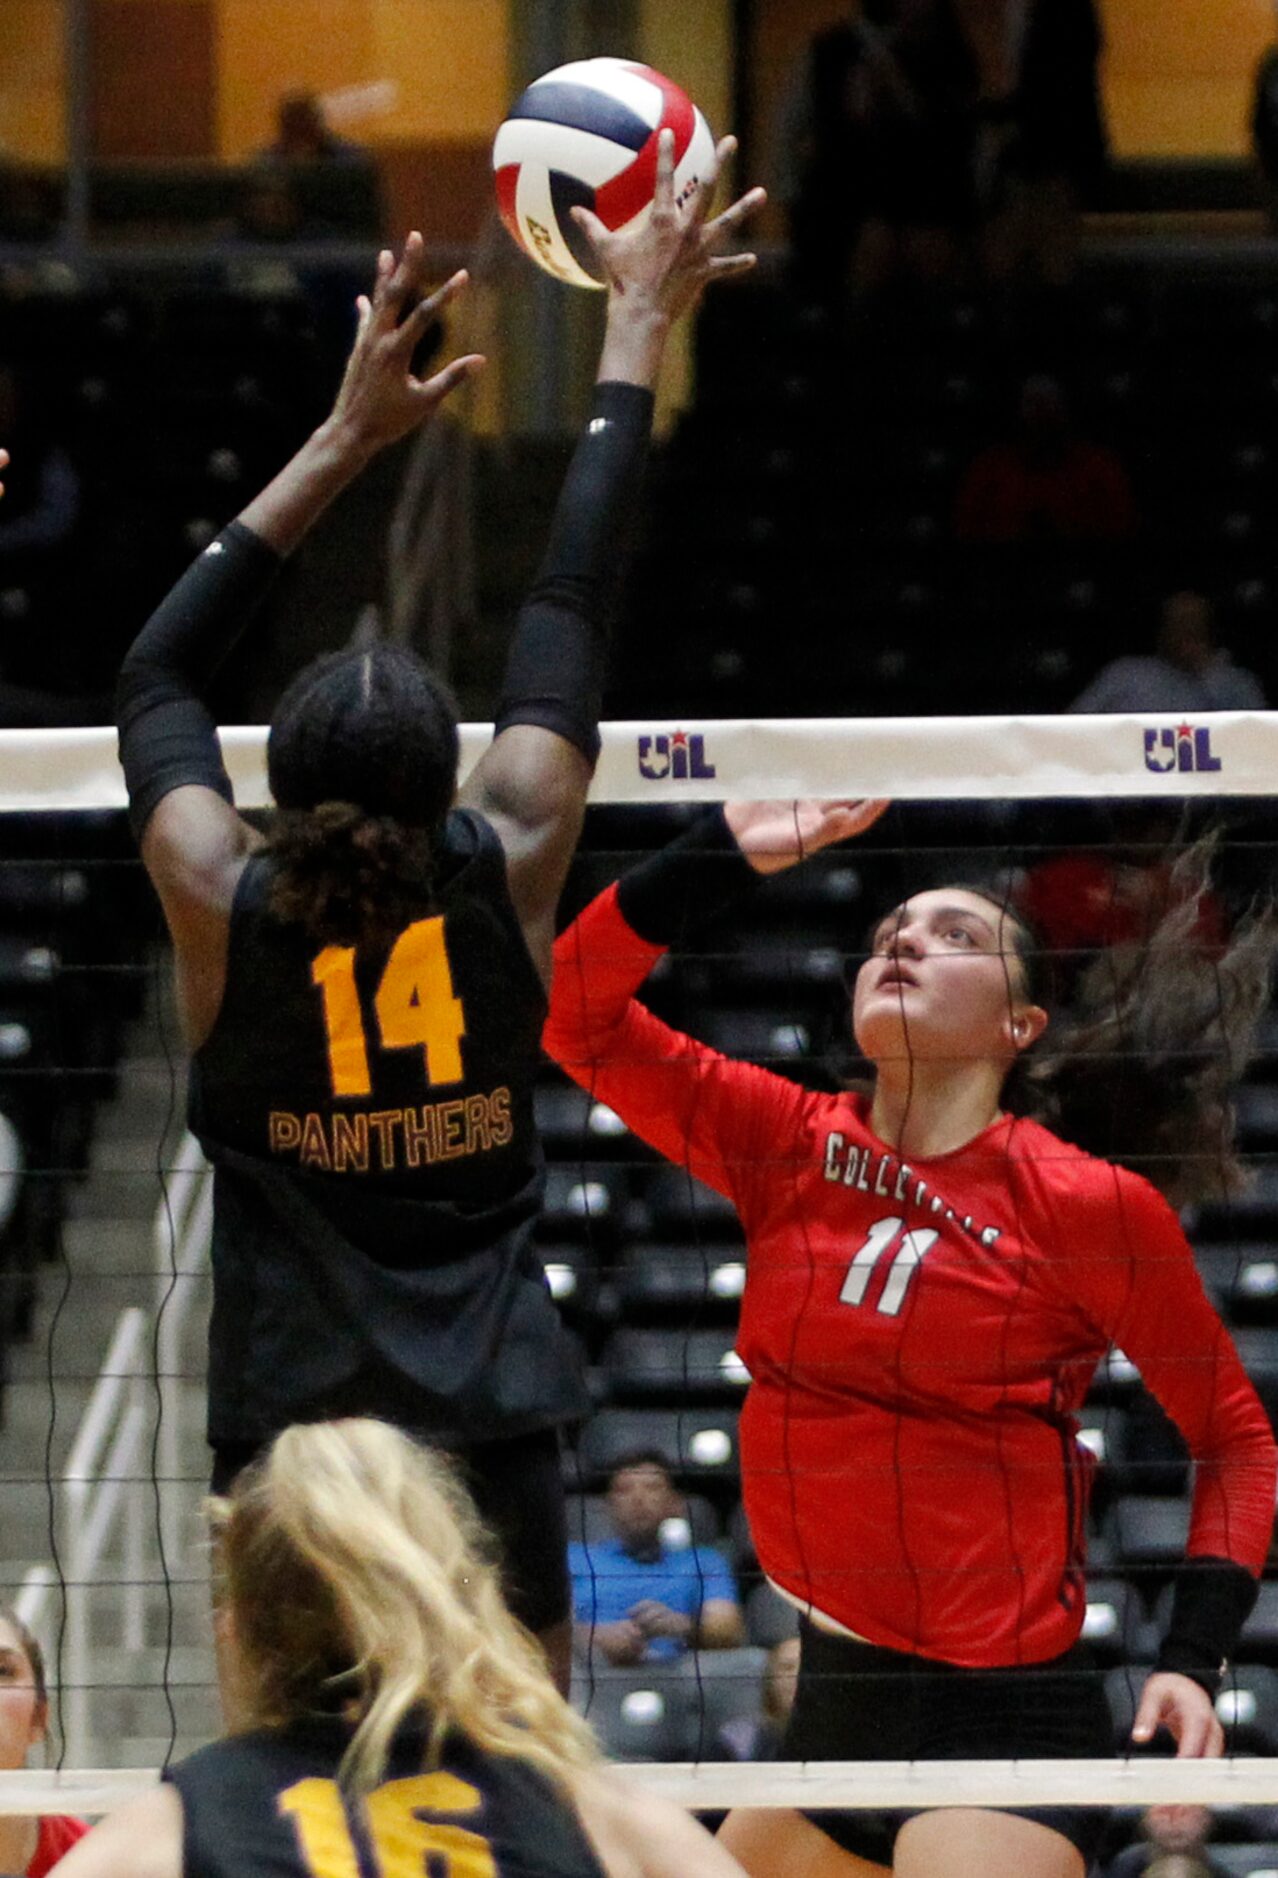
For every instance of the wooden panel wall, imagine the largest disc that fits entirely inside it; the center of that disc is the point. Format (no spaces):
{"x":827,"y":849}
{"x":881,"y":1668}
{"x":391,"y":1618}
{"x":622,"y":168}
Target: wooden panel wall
{"x":153,"y":78}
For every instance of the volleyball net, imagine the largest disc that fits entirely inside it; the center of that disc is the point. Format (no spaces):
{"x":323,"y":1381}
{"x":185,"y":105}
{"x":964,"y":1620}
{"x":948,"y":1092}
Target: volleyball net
{"x":106,"y":1216}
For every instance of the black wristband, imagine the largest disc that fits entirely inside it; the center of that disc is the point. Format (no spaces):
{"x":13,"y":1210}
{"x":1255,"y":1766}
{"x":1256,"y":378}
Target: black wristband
{"x":675,"y":892}
{"x":1211,"y":1602}
{"x":556,"y":667}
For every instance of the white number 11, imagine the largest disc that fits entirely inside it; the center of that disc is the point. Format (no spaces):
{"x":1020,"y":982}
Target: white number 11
{"x":883,"y":1234}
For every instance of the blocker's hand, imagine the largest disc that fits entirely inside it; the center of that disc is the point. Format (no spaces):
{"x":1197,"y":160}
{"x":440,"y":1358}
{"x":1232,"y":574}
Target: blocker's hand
{"x":664,"y":266}
{"x":4,"y":464}
{"x":777,"y":835}
{"x":380,"y":400}
{"x":1187,"y":1713}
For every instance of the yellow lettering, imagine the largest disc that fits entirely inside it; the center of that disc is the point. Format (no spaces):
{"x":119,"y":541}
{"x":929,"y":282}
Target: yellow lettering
{"x":350,"y":1143}
{"x":478,"y":1131}
{"x":383,"y":1125}
{"x":334,"y":974}
{"x":315,"y":1144}
{"x":450,"y":1118}
{"x":499,"y":1110}
{"x":285,"y":1131}
{"x":416,"y":1003}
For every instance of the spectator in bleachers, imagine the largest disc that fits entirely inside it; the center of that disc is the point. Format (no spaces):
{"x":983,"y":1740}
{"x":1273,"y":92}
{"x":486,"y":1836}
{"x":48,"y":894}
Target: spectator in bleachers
{"x":27,"y":1845}
{"x":1187,"y":672}
{"x":647,"y":1594}
{"x":1176,"y":1846}
{"x":877,"y":144}
{"x":1043,"y":152}
{"x":302,"y":134}
{"x":758,"y":1737}
{"x":1045,"y":482}
{"x":1264,"y":130}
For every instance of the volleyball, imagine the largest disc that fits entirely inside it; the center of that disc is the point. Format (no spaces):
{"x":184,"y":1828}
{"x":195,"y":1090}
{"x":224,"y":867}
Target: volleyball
{"x":586,"y":135}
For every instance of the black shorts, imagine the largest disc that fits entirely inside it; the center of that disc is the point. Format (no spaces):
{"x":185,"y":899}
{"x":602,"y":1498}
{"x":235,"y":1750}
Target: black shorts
{"x":518,"y":1488}
{"x":856,"y":1702}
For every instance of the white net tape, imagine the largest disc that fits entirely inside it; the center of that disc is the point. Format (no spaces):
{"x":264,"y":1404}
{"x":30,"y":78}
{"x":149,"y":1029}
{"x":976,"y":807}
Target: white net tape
{"x":977,"y":759}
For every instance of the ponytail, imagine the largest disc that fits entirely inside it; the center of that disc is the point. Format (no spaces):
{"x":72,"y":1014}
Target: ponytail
{"x":1144,"y":1071}
{"x":360,"y":1580}
{"x":349,"y":878}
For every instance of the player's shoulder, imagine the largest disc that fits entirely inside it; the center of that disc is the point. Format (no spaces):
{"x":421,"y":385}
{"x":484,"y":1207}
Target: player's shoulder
{"x":1070,"y":1180}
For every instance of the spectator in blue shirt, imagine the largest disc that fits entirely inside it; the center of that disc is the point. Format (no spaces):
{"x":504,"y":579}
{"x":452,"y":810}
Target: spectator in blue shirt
{"x":647,"y":1594}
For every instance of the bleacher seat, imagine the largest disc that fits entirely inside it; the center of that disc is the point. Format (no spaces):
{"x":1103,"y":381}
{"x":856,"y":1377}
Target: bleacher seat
{"x":1247,"y":1707}
{"x":683,"y":1208}
{"x":1148,"y":1533}
{"x":679,"y":1282}
{"x":586,"y":1204}
{"x":643,"y":1714}
{"x":1258,"y":1349}
{"x":727,"y":1685}
{"x":1115,"y":1624}
{"x":769,"y":1617}
{"x":663,"y":1365}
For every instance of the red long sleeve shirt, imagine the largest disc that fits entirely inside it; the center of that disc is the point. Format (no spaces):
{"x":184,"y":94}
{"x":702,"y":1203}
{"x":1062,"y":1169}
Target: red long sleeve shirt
{"x":920,"y":1334}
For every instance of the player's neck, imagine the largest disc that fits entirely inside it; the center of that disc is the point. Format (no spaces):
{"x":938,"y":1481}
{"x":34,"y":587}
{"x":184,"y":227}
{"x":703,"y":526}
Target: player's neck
{"x":18,"y":1841}
{"x":925,"y":1109}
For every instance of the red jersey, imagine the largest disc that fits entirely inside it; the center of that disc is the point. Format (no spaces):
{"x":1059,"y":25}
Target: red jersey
{"x":58,"y":1834}
{"x":920,"y":1334}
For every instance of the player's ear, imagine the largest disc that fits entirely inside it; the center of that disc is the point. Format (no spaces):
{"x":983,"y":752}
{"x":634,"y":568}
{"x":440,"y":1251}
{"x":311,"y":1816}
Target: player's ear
{"x":1024,"y":1025}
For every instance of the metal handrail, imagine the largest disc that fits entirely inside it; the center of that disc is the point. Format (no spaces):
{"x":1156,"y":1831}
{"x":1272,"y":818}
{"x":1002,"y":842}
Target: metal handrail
{"x":104,"y":1477}
{"x":183,"y":1233}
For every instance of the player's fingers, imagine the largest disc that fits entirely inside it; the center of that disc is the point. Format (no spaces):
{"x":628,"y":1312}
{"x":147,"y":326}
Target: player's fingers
{"x":434,"y":390}
{"x":425,"y":312}
{"x":407,"y":277}
{"x":663,"y":199}
{"x":1149,"y":1714}
{"x":1193,"y":1736}
{"x":364,"y":311}
{"x":589,"y":223}
{"x":725,"y":266}
{"x":385,"y":268}
{"x":732,"y":217}
{"x":725,"y":150}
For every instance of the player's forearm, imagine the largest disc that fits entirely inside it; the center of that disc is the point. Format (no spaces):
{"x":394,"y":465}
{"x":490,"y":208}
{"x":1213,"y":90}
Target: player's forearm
{"x":634,"y":341}
{"x":556,"y":669}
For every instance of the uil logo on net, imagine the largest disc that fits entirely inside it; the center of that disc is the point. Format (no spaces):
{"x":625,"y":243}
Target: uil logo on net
{"x":679,"y":755}
{"x":1187,"y":747}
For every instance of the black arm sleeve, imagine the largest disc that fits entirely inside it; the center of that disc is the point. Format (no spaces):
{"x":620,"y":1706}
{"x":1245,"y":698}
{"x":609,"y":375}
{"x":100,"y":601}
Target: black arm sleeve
{"x":167,"y":733}
{"x":674,"y":892}
{"x":1210,"y":1604}
{"x":555,"y":669}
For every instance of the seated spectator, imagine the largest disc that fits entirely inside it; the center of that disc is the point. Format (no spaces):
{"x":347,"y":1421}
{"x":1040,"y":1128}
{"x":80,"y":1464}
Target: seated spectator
{"x":1045,"y":483}
{"x":1176,"y":1846}
{"x":1264,"y":130}
{"x":648,"y":1595}
{"x":876,"y":143}
{"x":1188,"y":672}
{"x":27,"y":1845}
{"x":303,"y":135}
{"x":758,"y":1737}
{"x":1044,"y":152}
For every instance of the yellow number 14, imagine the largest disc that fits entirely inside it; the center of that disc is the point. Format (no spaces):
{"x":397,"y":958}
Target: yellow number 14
{"x":415,"y":1004}
{"x":402,"y":1839}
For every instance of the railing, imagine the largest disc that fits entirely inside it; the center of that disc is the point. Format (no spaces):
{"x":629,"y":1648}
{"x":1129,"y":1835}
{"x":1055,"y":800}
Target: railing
{"x":183,"y":1233}
{"x":106,"y":1476}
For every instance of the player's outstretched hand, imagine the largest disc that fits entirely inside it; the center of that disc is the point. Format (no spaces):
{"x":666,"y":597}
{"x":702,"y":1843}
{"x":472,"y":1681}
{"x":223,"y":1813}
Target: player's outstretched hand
{"x":4,"y":464}
{"x":777,"y":835}
{"x":380,"y":399}
{"x":664,"y":266}
{"x":1187,"y":1713}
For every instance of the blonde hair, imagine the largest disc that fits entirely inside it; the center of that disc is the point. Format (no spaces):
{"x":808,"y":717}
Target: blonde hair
{"x":359,"y":1579}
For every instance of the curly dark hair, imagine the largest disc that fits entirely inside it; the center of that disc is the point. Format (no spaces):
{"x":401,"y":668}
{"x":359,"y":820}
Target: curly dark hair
{"x":362,"y":763}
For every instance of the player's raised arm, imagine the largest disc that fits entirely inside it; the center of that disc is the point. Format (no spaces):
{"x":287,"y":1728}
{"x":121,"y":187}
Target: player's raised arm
{"x":532,"y":782}
{"x":180,"y":799}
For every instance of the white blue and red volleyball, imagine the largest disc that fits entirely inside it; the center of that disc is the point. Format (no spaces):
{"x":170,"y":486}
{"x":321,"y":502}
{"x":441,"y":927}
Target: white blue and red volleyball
{"x":586,"y":134}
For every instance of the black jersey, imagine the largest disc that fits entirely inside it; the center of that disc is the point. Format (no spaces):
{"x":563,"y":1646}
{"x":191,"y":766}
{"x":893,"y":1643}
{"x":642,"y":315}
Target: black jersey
{"x":377,"y":1173}
{"x":267,"y":1805}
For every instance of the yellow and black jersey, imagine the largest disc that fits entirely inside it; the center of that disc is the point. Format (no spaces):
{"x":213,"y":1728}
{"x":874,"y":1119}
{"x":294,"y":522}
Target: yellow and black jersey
{"x":268,"y":1805}
{"x":377,"y":1174}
